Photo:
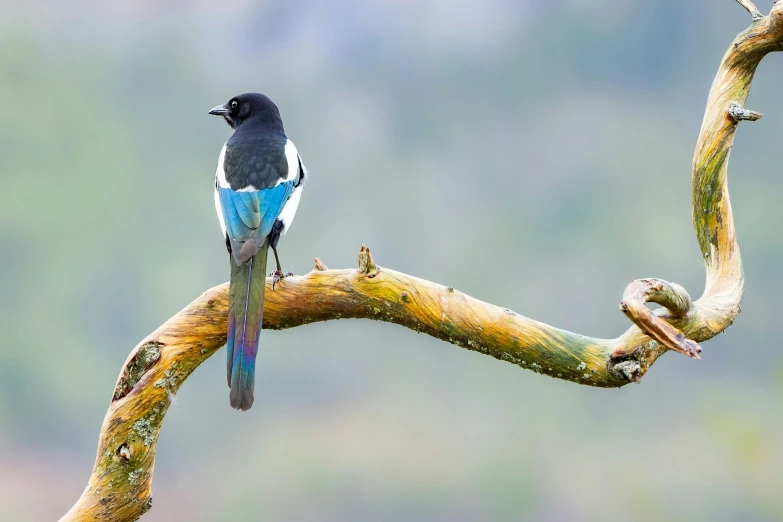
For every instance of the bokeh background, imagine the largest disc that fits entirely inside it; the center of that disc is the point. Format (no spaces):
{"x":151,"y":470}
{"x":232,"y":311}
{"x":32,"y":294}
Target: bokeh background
{"x":533,"y":154}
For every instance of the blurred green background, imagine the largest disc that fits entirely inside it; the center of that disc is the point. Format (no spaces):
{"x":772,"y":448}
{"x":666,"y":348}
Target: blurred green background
{"x":535,"y":155}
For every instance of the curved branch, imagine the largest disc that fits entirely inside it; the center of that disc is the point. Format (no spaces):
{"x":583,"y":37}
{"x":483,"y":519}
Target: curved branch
{"x":669,"y":295}
{"x":119,"y":487}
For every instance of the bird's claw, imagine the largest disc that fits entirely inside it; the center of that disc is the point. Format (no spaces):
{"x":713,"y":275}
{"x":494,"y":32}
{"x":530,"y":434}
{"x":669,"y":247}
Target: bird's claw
{"x":278,"y":276}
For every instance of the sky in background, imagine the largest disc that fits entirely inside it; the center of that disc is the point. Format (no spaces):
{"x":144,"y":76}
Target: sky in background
{"x":535,"y":155}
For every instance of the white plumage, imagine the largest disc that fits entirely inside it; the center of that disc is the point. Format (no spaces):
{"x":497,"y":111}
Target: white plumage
{"x":219,"y":210}
{"x":289,"y":210}
{"x":220,"y":172}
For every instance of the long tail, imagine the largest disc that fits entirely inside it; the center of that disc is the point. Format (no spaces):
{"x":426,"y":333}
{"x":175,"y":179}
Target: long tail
{"x":245,"y":312}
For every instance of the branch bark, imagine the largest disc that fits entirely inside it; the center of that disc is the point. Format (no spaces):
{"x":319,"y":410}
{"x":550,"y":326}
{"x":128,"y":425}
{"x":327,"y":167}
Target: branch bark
{"x":119,"y":487}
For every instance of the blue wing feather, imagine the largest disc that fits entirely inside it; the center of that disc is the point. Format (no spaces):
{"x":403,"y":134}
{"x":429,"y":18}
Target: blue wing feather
{"x":250,"y":199}
{"x":235,"y":228}
{"x":246,"y":204}
{"x":251,"y":214}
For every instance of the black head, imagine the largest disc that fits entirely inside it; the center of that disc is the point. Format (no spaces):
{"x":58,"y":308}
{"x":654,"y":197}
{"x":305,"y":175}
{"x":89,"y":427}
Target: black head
{"x":250,"y":107}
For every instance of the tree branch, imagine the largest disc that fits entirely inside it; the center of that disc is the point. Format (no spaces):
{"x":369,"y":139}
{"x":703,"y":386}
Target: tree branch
{"x":119,"y":487}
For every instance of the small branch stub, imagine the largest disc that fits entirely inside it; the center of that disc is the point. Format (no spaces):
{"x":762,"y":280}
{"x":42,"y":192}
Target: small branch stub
{"x":739,"y":113}
{"x":366,"y":264}
{"x":320,"y":266}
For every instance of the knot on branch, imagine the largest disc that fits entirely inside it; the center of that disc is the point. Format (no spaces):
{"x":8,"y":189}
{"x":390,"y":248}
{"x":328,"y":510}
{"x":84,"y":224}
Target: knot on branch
{"x":147,"y":505}
{"x":738,"y":113}
{"x":631,"y":370}
{"x":124,"y":452}
{"x":147,"y":355}
{"x":671,"y":296}
{"x":367,"y":266}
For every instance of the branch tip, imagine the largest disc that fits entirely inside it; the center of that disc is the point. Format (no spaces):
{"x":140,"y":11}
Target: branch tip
{"x":738,"y":113}
{"x":755,"y":14}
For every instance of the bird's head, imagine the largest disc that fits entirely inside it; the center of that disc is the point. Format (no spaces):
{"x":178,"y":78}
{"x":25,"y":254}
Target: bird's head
{"x":249,"y":107}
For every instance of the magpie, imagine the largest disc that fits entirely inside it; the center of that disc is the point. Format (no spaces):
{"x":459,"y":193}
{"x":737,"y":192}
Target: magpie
{"x":258,"y":184}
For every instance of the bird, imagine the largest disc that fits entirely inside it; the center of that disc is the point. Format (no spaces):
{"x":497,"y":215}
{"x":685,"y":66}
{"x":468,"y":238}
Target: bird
{"x":258,"y":185}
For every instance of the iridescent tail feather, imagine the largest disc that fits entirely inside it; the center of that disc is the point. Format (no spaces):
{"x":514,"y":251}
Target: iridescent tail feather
{"x":245,"y":314}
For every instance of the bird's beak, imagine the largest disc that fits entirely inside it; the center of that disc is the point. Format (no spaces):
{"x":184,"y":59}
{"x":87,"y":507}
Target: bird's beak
{"x":220,"y":110}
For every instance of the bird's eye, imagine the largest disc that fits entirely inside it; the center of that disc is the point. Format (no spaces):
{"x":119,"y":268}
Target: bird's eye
{"x":233,"y":104}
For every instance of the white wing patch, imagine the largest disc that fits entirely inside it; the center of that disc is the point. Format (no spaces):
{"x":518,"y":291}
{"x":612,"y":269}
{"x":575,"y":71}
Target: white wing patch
{"x":292,"y":156}
{"x":305,"y":172}
{"x":219,"y":210}
{"x":289,"y":210}
{"x":220,"y":172}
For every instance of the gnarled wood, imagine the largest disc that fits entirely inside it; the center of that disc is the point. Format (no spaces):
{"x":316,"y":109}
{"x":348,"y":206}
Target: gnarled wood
{"x":671,"y":296}
{"x":119,"y":487}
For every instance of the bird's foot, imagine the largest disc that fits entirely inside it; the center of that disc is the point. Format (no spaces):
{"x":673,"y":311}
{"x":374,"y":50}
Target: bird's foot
{"x":278,"y":276}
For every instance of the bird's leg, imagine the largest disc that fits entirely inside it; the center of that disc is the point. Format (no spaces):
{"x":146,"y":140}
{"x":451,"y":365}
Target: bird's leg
{"x":278,"y":274}
{"x":277,"y":260}
{"x":274,"y":237}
